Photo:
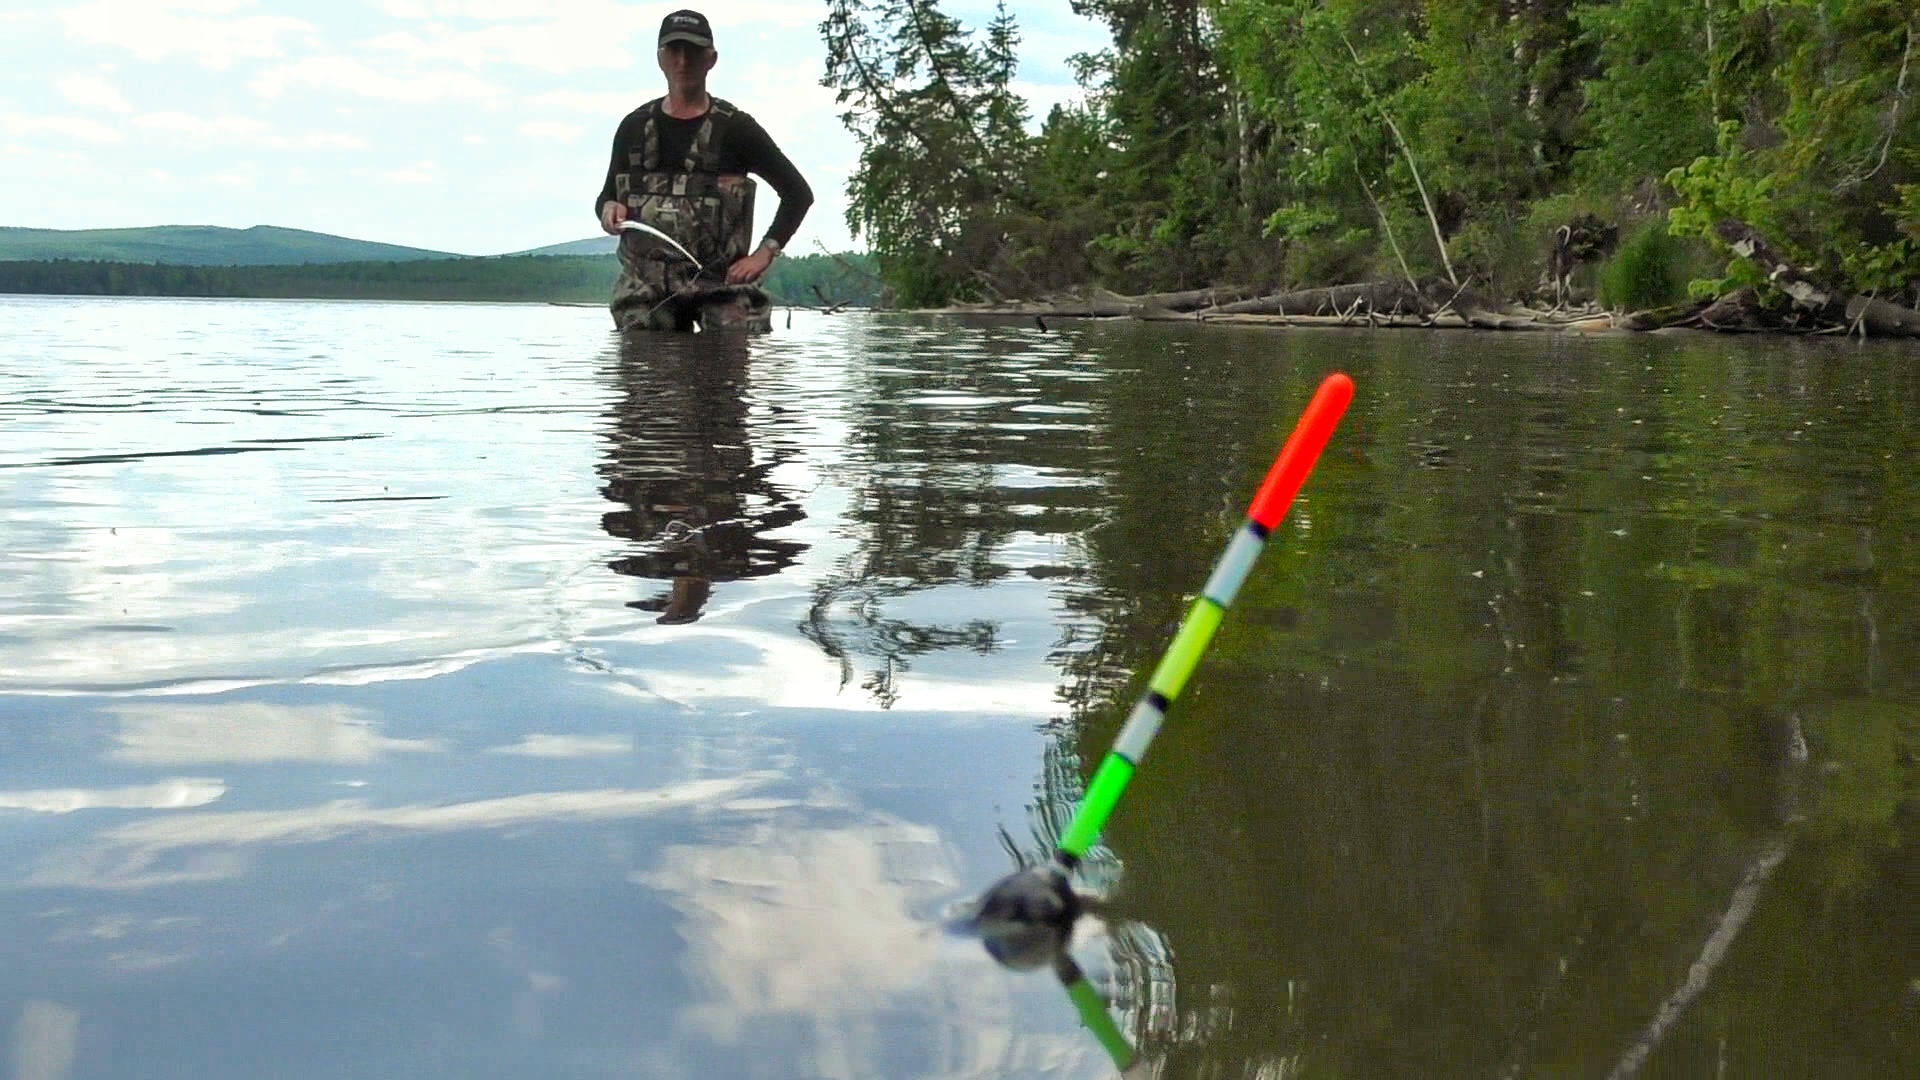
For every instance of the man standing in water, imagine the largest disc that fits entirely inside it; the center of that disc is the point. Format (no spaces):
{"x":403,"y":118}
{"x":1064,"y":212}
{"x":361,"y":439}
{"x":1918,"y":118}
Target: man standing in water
{"x":680,"y":165}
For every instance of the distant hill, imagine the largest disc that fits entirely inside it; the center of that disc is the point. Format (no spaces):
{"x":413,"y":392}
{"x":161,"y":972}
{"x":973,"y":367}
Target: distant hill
{"x":202,"y":245}
{"x":592,"y":245}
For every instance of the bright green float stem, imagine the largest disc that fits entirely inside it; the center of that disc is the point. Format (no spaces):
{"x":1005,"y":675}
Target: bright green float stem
{"x":1094,"y":1014}
{"x":1276,"y":494}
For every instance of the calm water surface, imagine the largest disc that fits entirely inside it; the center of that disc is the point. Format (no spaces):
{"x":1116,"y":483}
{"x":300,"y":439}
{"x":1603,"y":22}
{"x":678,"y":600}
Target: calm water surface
{"x":448,"y":690}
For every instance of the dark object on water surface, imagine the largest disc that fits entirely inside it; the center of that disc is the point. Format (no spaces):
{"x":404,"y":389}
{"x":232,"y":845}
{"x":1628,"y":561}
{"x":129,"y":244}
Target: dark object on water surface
{"x":1026,"y":919}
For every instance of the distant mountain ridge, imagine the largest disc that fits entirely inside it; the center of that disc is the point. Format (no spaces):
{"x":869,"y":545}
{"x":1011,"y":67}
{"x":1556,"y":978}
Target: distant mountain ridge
{"x":203,"y":245}
{"x":592,"y":245}
{"x":272,"y":261}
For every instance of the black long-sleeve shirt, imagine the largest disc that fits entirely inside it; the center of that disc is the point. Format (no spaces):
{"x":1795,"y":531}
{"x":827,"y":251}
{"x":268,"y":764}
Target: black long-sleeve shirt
{"x":745,"y":148}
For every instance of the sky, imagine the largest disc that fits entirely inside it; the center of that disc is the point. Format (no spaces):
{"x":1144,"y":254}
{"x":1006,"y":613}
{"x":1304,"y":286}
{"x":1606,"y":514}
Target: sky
{"x":471,"y":126}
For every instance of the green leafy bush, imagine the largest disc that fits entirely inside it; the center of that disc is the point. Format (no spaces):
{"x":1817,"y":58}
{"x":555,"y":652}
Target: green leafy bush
{"x":1648,"y":271}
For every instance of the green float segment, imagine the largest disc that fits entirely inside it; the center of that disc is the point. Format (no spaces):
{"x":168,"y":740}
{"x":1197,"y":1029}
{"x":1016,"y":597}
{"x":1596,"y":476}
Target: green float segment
{"x":1196,"y":631}
{"x":1093,"y":1013}
{"x":1102,"y":796}
{"x":1276,"y":494}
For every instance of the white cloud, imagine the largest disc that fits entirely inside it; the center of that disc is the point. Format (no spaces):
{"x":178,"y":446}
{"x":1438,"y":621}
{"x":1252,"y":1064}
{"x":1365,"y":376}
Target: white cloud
{"x":207,"y":32}
{"x":245,"y":130}
{"x":558,"y":131}
{"x":419,"y":173}
{"x":335,"y":141}
{"x":94,"y":91}
{"x":154,"y":734}
{"x":605,"y":13}
{"x":555,"y":47}
{"x":74,"y":127}
{"x":608,"y":104}
{"x":343,"y":73}
{"x":166,"y":795}
{"x":200,"y":126}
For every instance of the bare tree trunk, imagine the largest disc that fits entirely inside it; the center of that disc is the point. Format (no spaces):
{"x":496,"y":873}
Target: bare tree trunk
{"x":1386,"y":225}
{"x":1412,"y":165}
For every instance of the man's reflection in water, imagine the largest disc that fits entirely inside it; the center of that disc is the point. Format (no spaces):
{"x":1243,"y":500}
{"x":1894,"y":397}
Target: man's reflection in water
{"x":698,"y":499}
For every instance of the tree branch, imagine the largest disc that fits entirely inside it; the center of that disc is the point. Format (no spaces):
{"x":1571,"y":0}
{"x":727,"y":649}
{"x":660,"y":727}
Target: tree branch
{"x":1407,"y":152}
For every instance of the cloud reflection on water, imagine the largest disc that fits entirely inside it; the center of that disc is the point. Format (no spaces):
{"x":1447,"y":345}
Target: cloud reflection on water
{"x":44,"y":1041}
{"x":212,"y":846}
{"x":542,"y":745}
{"x":814,"y":946}
{"x":252,"y":732}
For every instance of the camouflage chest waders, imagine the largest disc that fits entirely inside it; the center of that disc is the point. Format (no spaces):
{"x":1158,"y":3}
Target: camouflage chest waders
{"x":710,"y":214}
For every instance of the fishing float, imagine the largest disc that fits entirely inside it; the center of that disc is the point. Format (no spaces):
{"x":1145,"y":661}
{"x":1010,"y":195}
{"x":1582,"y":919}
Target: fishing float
{"x":1026,"y":918}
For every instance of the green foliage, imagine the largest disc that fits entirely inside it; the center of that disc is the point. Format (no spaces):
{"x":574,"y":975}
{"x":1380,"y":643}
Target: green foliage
{"x":1345,"y":255}
{"x":1491,"y":249}
{"x":1649,"y":108}
{"x":1243,"y":140}
{"x":1295,"y":221}
{"x":1826,"y":146}
{"x":1647,"y":272}
{"x":824,"y":280}
{"x":1714,"y":188}
{"x":943,"y":142}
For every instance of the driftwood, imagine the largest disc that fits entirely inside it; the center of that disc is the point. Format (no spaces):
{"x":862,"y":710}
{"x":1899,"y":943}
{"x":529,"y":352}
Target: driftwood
{"x":1379,"y":296}
{"x":1813,"y":302}
{"x":827,"y":304}
{"x":1099,"y":303}
{"x":1662,"y":318}
{"x":1439,"y":303}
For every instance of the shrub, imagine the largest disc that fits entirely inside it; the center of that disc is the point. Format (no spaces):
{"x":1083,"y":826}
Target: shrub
{"x":1649,"y":270}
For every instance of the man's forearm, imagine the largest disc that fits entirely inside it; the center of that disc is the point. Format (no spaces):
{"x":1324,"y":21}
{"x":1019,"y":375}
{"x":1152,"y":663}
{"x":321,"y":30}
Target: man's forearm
{"x":792,"y":211}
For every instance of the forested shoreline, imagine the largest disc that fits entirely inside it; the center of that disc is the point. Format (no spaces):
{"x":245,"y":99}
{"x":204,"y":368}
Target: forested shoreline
{"x":824,"y":281}
{"x":1550,"y":153}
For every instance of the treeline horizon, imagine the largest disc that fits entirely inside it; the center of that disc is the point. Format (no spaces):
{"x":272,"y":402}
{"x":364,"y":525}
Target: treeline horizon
{"x":1289,"y":143}
{"x":806,"y":280}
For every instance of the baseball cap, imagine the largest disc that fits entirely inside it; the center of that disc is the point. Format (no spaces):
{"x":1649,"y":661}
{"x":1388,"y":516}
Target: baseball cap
{"x":686,"y":25}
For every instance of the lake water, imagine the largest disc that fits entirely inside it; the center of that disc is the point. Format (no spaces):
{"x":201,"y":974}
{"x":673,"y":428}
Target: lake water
{"x":448,"y":690}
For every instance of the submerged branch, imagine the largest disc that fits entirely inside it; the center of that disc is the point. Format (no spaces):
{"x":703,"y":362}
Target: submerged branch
{"x":1738,"y":911}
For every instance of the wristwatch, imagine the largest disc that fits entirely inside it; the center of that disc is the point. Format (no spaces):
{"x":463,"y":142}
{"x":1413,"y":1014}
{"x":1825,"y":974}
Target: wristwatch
{"x":770,"y":244}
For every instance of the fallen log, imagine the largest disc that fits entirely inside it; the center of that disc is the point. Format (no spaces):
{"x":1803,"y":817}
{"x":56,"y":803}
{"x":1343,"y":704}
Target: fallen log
{"x":1880,"y":317}
{"x":1191,"y":299}
{"x":1098,"y":303}
{"x":1862,"y":314}
{"x":1737,"y":312}
{"x":1662,"y":317}
{"x":1381,"y":297}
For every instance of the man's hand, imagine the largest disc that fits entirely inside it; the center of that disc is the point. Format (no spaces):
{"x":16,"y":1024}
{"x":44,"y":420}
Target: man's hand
{"x":612,"y":213}
{"x":750,"y":269}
